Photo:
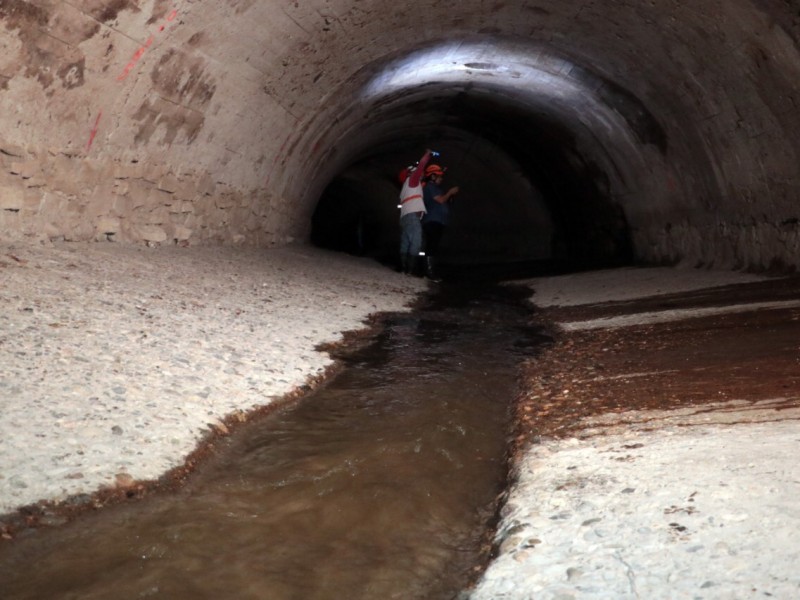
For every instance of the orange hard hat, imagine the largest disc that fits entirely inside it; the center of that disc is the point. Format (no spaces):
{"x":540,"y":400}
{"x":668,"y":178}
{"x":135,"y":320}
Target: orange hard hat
{"x":434,"y":170}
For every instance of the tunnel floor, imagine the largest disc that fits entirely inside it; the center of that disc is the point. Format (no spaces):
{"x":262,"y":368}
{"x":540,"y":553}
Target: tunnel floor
{"x":382,"y":483}
{"x":721,"y":370}
{"x":658,"y":459}
{"x":752,"y":356}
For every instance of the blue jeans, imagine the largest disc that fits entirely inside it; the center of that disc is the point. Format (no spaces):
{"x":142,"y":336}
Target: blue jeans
{"x":410,"y":234}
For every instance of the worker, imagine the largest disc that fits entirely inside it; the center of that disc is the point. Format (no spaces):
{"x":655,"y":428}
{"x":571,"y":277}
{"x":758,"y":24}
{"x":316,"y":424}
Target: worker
{"x":437,"y":214}
{"x":412,"y":210}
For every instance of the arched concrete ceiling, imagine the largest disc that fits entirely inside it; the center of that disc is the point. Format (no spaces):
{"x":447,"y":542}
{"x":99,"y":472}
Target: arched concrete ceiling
{"x":202,"y":121}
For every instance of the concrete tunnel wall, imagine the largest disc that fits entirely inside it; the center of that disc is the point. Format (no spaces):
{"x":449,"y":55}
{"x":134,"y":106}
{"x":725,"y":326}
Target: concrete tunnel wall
{"x":223,"y":121}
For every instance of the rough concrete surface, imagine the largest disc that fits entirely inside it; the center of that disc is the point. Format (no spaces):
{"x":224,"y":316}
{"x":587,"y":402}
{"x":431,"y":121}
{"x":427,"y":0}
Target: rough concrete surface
{"x":658,"y":454}
{"x":694,"y":507}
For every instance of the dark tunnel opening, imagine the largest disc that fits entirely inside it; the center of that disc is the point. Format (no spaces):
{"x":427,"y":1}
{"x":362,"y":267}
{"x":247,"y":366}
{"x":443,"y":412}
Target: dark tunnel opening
{"x":528,"y":195}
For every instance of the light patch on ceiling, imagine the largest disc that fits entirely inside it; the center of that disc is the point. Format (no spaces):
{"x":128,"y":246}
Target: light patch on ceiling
{"x":522,"y":70}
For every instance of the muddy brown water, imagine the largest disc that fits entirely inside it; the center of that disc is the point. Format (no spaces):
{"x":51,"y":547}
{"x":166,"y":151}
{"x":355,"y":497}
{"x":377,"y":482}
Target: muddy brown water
{"x":380,"y":484}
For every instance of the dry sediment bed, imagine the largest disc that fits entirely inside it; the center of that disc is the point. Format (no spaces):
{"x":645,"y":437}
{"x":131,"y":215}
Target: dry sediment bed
{"x":657,"y":442}
{"x":117,"y":360}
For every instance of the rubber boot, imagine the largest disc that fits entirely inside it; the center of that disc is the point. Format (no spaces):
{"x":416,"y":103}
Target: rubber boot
{"x":416,"y":266}
{"x":430,"y":271}
{"x":404,"y":264}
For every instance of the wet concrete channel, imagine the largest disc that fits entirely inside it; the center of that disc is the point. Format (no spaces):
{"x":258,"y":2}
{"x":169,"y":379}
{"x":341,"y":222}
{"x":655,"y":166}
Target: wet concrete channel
{"x":382,"y":483}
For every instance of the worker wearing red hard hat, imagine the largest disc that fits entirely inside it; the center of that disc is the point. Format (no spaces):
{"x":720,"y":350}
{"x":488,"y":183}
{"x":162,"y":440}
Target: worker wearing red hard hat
{"x":412,"y":209}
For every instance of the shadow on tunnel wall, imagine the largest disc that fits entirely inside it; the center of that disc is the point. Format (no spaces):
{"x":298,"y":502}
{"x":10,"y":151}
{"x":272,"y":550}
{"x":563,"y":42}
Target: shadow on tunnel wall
{"x":358,"y":216}
{"x":593,"y":232}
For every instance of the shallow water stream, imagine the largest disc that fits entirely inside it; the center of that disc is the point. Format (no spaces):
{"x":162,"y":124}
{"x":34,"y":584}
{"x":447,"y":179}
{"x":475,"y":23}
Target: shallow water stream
{"x":380,"y":484}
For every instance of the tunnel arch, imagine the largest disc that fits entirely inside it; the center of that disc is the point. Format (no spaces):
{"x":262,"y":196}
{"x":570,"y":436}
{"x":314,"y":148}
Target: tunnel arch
{"x":555,"y":122}
{"x":167,"y":121}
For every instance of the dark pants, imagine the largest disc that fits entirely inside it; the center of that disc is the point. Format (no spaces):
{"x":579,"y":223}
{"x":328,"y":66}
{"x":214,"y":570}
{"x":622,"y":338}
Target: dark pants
{"x":433,"y":237}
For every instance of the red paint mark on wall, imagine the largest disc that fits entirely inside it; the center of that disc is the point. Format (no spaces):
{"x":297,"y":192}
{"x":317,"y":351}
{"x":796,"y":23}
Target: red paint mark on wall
{"x":672,"y":184}
{"x":277,"y":158}
{"x":93,"y":133}
{"x":170,"y":17}
{"x":141,"y":51}
{"x":138,"y":55}
{"x":128,"y":68}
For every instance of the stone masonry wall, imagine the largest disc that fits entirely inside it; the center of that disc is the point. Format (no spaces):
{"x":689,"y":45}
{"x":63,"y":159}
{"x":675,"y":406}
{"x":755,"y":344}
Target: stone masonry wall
{"x":121,"y":121}
{"x":55,"y":196}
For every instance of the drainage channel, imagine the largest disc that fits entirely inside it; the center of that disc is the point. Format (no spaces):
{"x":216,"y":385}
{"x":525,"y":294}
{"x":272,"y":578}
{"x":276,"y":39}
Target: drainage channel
{"x":380,"y":484}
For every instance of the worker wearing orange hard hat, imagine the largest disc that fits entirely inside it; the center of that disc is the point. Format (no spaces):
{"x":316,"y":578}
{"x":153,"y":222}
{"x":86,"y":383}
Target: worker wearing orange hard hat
{"x":437,"y":215}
